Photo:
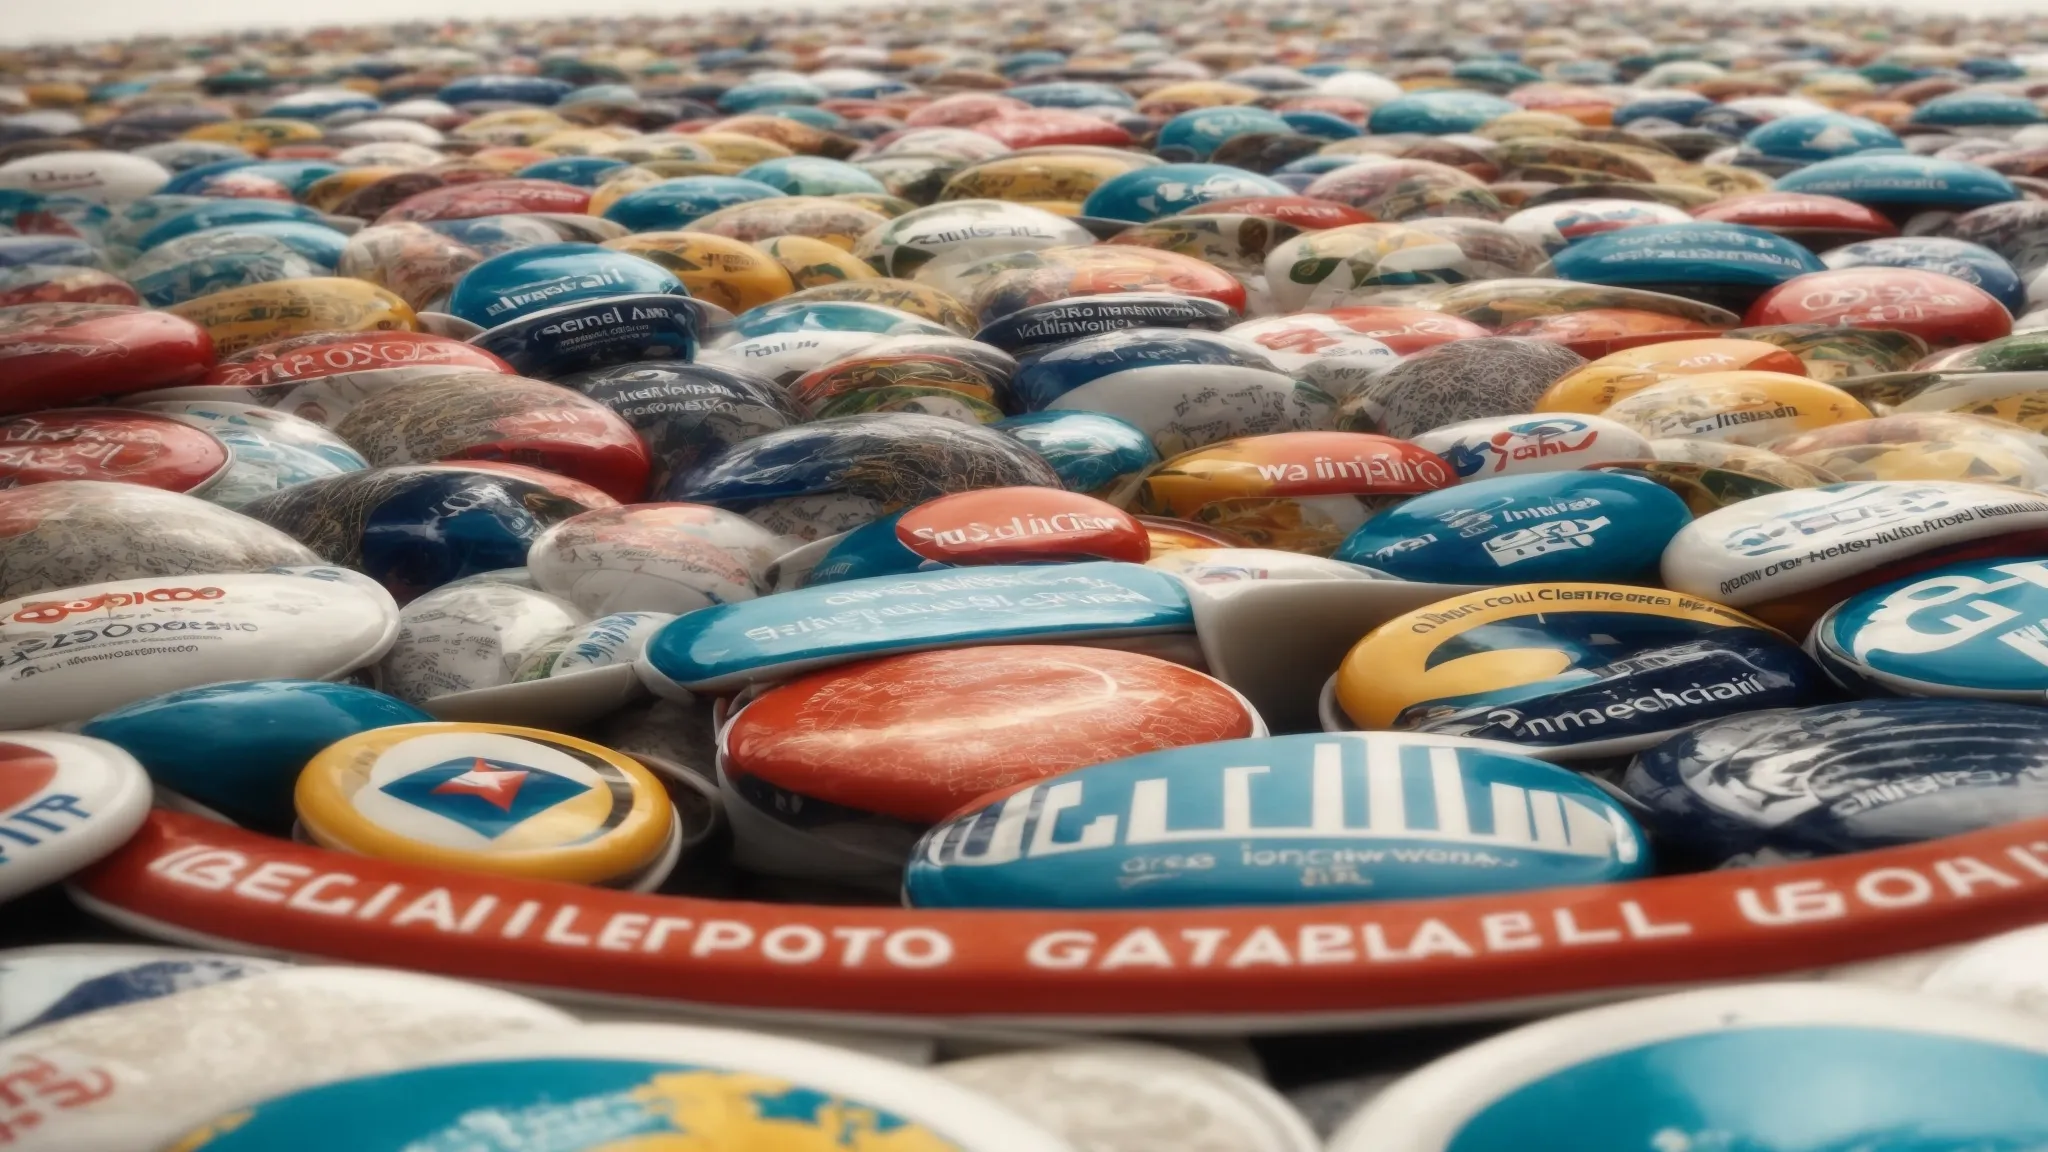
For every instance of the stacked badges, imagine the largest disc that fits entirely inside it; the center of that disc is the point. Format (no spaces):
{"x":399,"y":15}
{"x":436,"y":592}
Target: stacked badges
{"x":1535,"y":526}
{"x":1283,"y":820}
{"x":1569,"y":670}
{"x":65,"y":801}
{"x":491,"y":798}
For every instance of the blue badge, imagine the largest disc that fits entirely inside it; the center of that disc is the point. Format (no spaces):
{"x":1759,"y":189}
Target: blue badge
{"x":1438,"y":113}
{"x":688,"y":413}
{"x":587,"y":334}
{"x":1970,"y":263}
{"x":1979,"y":628}
{"x":219,"y":214}
{"x":675,"y":203}
{"x":1044,"y":326}
{"x":1834,"y":778}
{"x":582,"y":171}
{"x":1071,"y":94}
{"x":1195,"y":134}
{"x":730,"y":645}
{"x":812,"y":176}
{"x":1757,"y":1087}
{"x":1819,"y":136}
{"x":1044,"y":378}
{"x":488,"y":797}
{"x":1598,"y":526}
{"x":1171,"y":189}
{"x":539,"y":90}
{"x":831,"y":315}
{"x":1315,"y":819}
{"x":1976,"y":109}
{"x":517,"y":284}
{"x":1882,"y":180}
{"x":1094,"y":453}
{"x":872,"y":549}
{"x":237,"y":748}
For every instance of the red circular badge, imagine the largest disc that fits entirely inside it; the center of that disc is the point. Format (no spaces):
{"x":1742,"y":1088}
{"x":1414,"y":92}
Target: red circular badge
{"x":333,"y":353}
{"x":108,"y":444}
{"x":1941,"y":310}
{"x":918,"y":736}
{"x":57,"y":354}
{"x":1801,"y":214}
{"x":1022,"y":526}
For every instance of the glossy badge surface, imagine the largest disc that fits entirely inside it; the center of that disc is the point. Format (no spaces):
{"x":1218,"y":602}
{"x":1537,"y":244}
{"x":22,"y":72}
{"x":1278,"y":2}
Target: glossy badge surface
{"x":1515,"y":529}
{"x":80,"y":651}
{"x":1283,"y":820}
{"x":65,"y":801}
{"x":1569,"y":670}
{"x":493,"y":798}
{"x":1971,"y":629}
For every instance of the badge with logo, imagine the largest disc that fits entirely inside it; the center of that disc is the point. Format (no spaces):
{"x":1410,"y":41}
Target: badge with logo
{"x":1568,"y":671}
{"x":65,"y":801}
{"x":1973,"y":629}
{"x":1284,"y":820}
{"x":494,"y":798}
{"x":1508,"y":445}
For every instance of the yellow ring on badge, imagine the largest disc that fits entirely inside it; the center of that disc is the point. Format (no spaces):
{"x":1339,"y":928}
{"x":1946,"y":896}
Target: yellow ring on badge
{"x":491,"y":798}
{"x":1388,"y":671}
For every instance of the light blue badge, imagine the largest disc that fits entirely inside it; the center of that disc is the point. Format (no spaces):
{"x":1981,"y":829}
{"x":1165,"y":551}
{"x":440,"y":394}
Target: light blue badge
{"x":1979,"y":628}
{"x":1312,"y":819}
{"x":726,"y":646}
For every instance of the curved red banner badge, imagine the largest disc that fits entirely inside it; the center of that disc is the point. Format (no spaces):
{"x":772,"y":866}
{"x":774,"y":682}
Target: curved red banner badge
{"x":186,"y":878}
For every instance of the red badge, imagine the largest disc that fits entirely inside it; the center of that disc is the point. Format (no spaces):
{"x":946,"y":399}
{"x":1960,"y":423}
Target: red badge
{"x":57,"y":354}
{"x":964,"y":110}
{"x":1598,"y":332}
{"x":1827,"y":221}
{"x":333,"y":353}
{"x":1304,"y":212}
{"x":490,"y":198}
{"x":1941,"y":310}
{"x":1258,"y":969}
{"x":25,"y":771}
{"x":916,"y":737}
{"x":108,"y":444}
{"x":1039,"y":127}
{"x":1022,"y":526}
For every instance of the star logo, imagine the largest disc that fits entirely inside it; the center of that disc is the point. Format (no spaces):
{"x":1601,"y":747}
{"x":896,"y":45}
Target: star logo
{"x":489,"y":797}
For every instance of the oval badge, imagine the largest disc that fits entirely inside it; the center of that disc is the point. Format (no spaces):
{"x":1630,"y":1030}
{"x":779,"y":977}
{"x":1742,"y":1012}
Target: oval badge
{"x":1514,"y":445}
{"x":731,"y":645}
{"x":654,"y":558}
{"x":71,"y":654}
{"x":1282,"y":820}
{"x":1569,"y":670}
{"x":1791,"y":555}
{"x":1791,"y":783}
{"x":110,"y":444}
{"x":1536,"y":526}
{"x":1970,"y":629}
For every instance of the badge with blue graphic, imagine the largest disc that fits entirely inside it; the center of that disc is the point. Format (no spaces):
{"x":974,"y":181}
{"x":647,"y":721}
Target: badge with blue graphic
{"x":1568,"y":671}
{"x":1518,"y":528}
{"x":1509,"y":445}
{"x":1281,"y":820}
{"x":1978,"y":629}
{"x":491,"y":798}
{"x":727,"y":646}
{"x":1765,"y":786}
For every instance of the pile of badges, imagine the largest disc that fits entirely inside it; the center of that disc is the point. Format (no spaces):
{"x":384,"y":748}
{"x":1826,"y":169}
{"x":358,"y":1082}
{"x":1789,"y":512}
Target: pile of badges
{"x":1037,"y":543}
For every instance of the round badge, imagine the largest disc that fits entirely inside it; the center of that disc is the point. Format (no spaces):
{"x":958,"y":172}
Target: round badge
{"x":110,"y":444}
{"x":635,"y":1088}
{"x":1616,"y":376}
{"x":1512,"y":445}
{"x":1569,"y":670}
{"x":1282,"y":820}
{"x":914,"y":737}
{"x":491,"y":798}
{"x":1744,"y":407}
{"x":65,"y":801}
{"x":653,"y":558}
{"x":1970,"y":629}
{"x":41,"y":986}
{"x":1021,"y":526}
{"x":73,"y":653}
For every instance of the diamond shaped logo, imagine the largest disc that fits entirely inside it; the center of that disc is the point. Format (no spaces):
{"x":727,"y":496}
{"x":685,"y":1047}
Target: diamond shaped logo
{"x":489,"y":797}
